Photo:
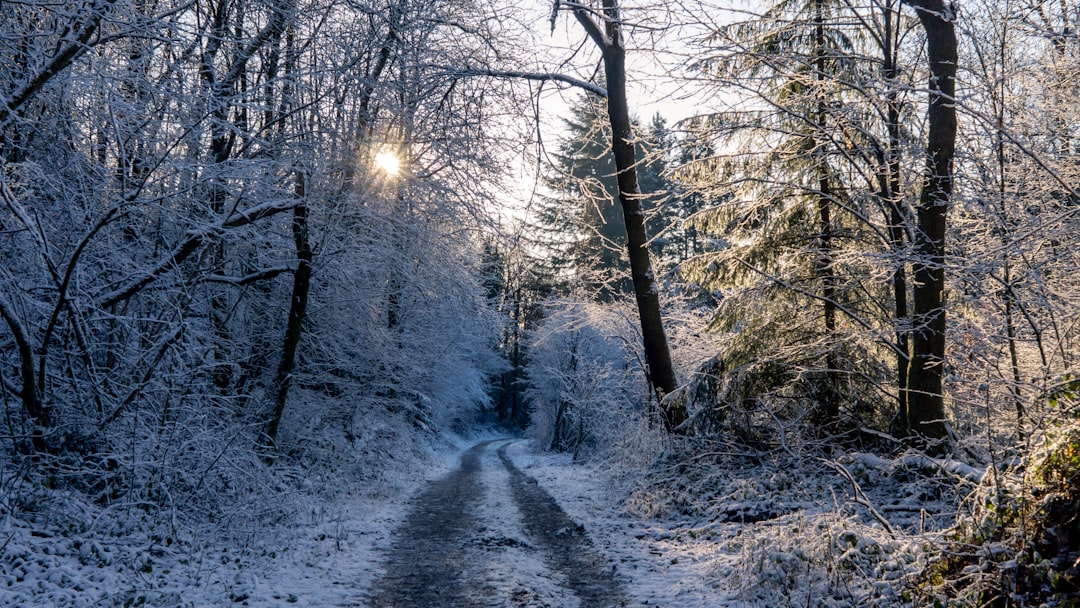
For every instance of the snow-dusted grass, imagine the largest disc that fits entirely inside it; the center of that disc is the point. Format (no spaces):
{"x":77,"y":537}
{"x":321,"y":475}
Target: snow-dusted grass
{"x":730,"y":529}
{"x":125,"y":563}
{"x":59,"y":549}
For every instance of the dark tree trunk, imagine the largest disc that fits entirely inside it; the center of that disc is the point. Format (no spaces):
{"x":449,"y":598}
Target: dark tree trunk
{"x":825,"y":260}
{"x":29,"y":394}
{"x":223,"y":91}
{"x":646,"y":291}
{"x":297,"y":311}
{"x":925,"y":407}
{"x":893,"y":205}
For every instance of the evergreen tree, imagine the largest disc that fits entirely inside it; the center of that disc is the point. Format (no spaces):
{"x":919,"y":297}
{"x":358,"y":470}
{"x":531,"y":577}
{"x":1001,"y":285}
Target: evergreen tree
{"x":798,"y":225}
{"x":580,"y":224}
{"x":580,"y":227}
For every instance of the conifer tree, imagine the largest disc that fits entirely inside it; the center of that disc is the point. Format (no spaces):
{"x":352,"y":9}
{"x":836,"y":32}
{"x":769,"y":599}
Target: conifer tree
{"x":784,"y":220}
{"x":580,"y":224}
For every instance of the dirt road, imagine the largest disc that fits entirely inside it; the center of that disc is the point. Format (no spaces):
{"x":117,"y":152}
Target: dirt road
{"x":487,"y":535}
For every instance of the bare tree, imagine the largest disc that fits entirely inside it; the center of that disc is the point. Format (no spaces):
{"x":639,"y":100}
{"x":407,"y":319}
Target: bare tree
{"x":925,"y":415}
{"x":604,"y":27}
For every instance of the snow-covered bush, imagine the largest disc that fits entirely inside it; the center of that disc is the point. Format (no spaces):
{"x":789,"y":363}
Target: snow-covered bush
{"x":1019,"y":535}
{"x":767,"y":381}
{"x":584,"y":376}
{"x":399,"y":321}
{"x":823,"y":559}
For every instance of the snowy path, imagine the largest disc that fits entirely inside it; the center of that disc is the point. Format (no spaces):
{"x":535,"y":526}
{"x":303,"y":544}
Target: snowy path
{"x":488,"y":535}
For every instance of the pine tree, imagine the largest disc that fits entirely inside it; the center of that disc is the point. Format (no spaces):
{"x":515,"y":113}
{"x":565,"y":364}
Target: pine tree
{"x":811,"y":208}
{"x":580,"y":226}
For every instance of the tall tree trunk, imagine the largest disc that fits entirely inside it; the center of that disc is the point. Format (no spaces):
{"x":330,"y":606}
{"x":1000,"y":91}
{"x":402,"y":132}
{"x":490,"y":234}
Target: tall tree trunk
{"x":925,"y":407}
{"x":825,"y":261}
{"x":297,"y":311}
{"x":646,"y":291}
{"x":893,"y":203}
{"x":29,"y":394}
{"x":1008,"y":293}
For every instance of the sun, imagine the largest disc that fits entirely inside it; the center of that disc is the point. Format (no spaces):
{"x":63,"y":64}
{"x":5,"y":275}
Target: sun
{"x":388,"y":162}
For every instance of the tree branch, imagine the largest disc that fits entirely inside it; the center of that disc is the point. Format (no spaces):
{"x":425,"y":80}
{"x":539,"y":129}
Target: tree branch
{"x":28,"y":393}
{"x":581,"y":13}
{"x":59,"y":62}
{"x":247,"y":279}
{"x":190,"y":245}
{"x":538,"y":76}
{"x":859,"y":497}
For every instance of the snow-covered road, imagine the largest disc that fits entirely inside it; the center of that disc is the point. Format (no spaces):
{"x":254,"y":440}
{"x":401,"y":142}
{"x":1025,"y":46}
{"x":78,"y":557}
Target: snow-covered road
{"x":498,"y":524}
{"x":488,"y":535}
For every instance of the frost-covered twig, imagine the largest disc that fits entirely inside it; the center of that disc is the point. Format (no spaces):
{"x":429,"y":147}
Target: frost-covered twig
{"x":595,"y":89}
{"x":193,"y":240}
{"x":860,"y":497}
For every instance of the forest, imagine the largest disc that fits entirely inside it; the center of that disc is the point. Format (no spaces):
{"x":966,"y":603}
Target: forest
{"x":793,"y":281}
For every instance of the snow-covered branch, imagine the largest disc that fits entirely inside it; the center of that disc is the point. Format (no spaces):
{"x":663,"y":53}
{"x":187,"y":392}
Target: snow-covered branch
{"x":251,"y":277}
{"x":68,"y":50}
{"x":537,"y":76}
{"x":190,"y":244}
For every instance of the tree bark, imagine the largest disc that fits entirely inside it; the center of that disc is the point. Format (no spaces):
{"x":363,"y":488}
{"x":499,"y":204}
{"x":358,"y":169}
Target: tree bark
{"x":892,"y":201}
{"x":825,"y":264}
{"x":646,"y":293}
{"x":29,"y":394}
{"x":297,"y":311}
{"x":925,"y":407}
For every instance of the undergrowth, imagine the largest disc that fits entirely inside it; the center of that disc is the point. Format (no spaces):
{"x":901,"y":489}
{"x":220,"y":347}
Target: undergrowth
{"x":1021,"y":546}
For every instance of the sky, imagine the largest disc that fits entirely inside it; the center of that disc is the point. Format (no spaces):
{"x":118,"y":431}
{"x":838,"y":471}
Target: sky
{"x":653,"y":85}
{"x":653,"y":82}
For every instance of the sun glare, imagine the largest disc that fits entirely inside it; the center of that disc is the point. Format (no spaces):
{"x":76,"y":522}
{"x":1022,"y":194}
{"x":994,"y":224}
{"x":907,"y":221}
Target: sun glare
{"x":388,"y":162}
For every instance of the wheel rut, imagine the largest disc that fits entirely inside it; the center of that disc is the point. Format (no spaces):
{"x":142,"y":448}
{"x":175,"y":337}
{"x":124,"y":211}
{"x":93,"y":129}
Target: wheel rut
{"x":565,"y":544}
{"x":446,"y":555}
{"x":425,"y":567}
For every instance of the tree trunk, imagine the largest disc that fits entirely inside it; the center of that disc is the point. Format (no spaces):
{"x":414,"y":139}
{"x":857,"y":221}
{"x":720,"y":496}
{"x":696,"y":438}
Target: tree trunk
{"x":297,"y":311}
{"x":925,"y":407}
{"x":825,"y":261}
{"x":657,"y":353}
{"x":893,"y":204}
{"x":35,"y":409}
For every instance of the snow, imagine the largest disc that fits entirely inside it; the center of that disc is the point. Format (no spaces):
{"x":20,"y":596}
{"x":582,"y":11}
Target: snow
{"x":659,"y":569}
{"x":811,"y":545}
{"x":766,"y":535}
{"x":515,"y":575}
{"x":327,"y":554}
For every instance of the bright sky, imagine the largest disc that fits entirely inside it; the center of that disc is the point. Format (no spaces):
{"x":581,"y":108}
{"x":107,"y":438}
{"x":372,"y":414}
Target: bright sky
{"x":652,"y":76}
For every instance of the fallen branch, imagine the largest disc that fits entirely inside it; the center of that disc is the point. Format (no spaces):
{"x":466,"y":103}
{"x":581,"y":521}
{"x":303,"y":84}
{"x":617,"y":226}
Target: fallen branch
{"x":860,"y":497}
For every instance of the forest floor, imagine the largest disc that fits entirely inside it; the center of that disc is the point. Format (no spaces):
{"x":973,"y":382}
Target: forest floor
{"x":506,"y":527}
{"x":491,"y":521}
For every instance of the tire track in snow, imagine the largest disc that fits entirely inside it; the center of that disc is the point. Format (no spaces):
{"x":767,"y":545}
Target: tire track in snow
{"x":463,"y":547}
{"x":566,"y":546}
{"x":426,"y":566}
{"x":510,"y":562}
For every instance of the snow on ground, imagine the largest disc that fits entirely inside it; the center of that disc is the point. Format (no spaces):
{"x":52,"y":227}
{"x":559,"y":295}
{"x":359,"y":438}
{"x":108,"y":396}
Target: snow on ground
{"x":765,"y":536}
{"x":513,"y":574}
{"x":339,"y":553}
{"x":658,"y":569}
{"x":326,"y":556}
